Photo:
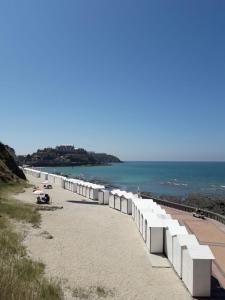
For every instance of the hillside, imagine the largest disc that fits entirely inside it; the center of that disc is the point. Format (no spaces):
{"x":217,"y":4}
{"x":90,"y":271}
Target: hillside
{"x":9,"y":171}
{"x":66,"y":156}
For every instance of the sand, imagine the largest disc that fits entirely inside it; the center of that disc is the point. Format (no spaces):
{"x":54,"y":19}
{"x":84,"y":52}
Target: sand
{"x":94,"y":245}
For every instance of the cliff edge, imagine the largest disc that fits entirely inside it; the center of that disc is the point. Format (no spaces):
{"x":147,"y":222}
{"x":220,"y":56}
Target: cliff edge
{"x":9,"y":171}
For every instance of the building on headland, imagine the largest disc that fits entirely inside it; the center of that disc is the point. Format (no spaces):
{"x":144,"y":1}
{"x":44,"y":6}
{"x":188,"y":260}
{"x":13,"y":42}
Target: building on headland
{"x":65,"y":148}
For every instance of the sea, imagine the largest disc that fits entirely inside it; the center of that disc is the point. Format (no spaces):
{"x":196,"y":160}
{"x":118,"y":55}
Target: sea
{"x":158,"y":178}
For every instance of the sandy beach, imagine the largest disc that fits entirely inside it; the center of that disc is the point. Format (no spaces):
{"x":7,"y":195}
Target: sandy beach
{"x":95,"y":246}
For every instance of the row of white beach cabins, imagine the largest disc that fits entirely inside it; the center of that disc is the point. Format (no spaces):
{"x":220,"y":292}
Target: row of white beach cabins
{"x":162,"y":234}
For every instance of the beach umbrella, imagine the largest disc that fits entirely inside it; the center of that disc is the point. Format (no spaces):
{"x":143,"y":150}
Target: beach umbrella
{"x":38,"y":192}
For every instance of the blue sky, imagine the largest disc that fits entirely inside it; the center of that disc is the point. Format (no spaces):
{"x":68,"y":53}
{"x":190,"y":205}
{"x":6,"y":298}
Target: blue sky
{"x":144,"y":80}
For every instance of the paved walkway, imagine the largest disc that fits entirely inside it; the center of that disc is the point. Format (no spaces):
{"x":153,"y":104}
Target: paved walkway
{"x":208,"y":232}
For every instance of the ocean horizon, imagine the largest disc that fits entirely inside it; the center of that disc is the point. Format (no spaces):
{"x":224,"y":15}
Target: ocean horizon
{"x":175,"y":178}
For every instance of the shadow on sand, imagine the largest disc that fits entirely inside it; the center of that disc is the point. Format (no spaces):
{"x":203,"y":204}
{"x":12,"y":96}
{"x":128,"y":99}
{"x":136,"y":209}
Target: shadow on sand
{"x":82,"y":202}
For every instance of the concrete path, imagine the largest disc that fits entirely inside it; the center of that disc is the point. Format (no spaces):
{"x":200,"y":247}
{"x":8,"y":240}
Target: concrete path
{"x":211,"y":233}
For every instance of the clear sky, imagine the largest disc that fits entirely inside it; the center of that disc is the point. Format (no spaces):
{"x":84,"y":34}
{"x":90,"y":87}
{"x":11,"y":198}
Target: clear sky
{"x":144,"y":80}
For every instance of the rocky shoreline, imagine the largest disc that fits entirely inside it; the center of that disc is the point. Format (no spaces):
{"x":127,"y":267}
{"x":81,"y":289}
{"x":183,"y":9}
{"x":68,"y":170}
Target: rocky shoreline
{"x":211,"y":203}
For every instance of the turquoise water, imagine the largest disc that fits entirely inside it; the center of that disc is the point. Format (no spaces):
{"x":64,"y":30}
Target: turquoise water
{"x":172,"y":178}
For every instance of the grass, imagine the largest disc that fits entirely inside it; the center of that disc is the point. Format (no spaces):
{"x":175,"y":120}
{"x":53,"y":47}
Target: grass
{"x":16,"y":209}
{"x":20,"y":277}
{"x":103,"y":292}
{"x":81,"y":293}
{"x":90,"y":292}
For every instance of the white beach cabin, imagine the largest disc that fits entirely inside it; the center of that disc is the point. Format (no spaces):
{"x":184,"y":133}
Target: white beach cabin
{"x":36,"y":173}
{"x":58,"y":180}
{"x":79,"y":187}
{"x":66,"y":184}
{"x":87,"y":192}
{"x":94,"y":189}
{"x":51,"y":178}
{"x":63,"y":182}
{"x":126,"y":203}
{"x":144,"y":206}
{"x":135,"y":203}
{"x":112,"y":198}
{"x":44,"y":175}
{"x":83,"y":188}
{"x":154,"y":239}
{"x":74,"y":185}
{"x":180,"y":241}
{"x":148,"y":216}
{"x":103,"y":196}
{"x":118,"y":196}
{"x":172,"y":230}
{"x":154,"y":209}
{"x":196,"y":270}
